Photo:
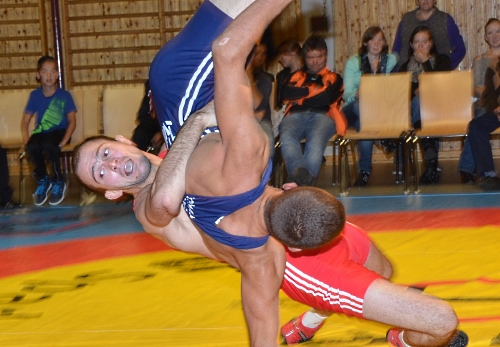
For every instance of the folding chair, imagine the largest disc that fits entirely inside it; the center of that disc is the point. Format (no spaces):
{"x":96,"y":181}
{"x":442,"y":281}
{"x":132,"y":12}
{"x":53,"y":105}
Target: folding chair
{"x":384,"y":107}
{"x":445,"y":108}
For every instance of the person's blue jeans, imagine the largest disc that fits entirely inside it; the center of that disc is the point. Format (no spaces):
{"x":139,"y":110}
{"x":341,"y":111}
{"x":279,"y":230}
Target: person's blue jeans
{"x":466,"y":161}
{"x":365,"y":147}
{"x":316,"y":129}
{"x":479,"y":139}
{"x":415,"y":117}
{"x":415,"y":110}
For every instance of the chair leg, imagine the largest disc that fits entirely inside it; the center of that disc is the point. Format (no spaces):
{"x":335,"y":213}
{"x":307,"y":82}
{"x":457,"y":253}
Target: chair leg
{"x":353,"y":146}
{"x":279,"y":170}
{"x":416,"y":175}
{"x":344,"y":168}
{"x":22,"y":186}
{"x":397,"y":154}
{"x":407,"y":163}
{"x":334,"y":161}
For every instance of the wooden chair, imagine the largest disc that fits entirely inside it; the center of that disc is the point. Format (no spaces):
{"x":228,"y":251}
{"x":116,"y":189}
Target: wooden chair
{"x":384,"y":103}
{"x":445,"y":108}
{"x":119,"y":109}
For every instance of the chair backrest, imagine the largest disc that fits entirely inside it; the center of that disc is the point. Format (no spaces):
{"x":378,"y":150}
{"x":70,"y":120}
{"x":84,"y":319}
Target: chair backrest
{"x":119,"y":109}
{"x":445,"y":103}
{"x":12,"y":104}
{"x":88,"y":115}
{"x":384,"y":105}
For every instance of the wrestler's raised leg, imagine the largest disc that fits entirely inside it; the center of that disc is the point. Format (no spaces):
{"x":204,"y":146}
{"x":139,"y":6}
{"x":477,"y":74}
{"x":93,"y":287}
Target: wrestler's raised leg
{"x":426,"y":320}
{"x":231,"y":7}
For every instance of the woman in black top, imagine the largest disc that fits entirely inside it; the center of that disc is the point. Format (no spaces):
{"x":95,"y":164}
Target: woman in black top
{"x":423,"y":59}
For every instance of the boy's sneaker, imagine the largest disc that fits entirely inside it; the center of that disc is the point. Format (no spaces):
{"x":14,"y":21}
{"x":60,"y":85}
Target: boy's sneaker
{"x":58,"y":192}
{"x":295,"y":332}
{"x":460,"y":339}
{"x":42,"y":191}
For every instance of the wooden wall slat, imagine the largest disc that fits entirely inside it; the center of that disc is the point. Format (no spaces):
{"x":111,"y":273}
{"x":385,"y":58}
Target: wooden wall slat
{"x":91,"y":25}
{"x":23,"y":39}
{"x":353,"y":17}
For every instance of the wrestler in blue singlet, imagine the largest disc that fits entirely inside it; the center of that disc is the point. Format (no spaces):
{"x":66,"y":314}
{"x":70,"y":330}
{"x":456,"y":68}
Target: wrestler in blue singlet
{"x":207,"y":211}
{"x":181,"y":74}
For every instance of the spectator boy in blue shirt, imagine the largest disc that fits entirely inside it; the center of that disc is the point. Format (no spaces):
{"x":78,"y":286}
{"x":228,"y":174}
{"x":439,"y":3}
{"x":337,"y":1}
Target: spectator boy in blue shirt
{"x":54,"y":124}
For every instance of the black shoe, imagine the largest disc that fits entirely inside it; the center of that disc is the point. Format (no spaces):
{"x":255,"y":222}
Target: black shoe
{"x":302,"y":177}
{"x":489,"y":183}
{"x":9,"y":205}
{"x":460,"y":339}
{"x":430,"y":176}
{"x":389,"y":146}
{"x":362,"y":178}
{"x":466,"y":177}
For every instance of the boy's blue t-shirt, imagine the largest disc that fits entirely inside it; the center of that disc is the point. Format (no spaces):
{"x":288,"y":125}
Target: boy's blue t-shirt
{"x":51,"y":112}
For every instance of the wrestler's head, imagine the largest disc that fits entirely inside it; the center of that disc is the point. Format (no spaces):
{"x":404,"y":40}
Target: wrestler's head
{"x":304,"y":217}
{"x":113,"y":167}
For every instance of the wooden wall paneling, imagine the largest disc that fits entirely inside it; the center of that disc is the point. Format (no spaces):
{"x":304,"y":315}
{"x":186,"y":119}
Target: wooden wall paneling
{"x":352,"y":18}
{"x":22,"y":42}
{"x":175,"y":15}
{"x":161,"y":20}
{"x":111,"y":41}
{"x":43,"y":26}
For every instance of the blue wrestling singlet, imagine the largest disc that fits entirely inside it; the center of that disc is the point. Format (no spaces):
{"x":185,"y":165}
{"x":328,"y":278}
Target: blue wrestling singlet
{"x":207,"y":211}
{"x":181,"y":74}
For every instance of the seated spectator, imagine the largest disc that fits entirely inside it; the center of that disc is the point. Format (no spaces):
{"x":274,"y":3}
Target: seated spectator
{"x":290,"y":57}
{"x":263,"y":86}
{"x":372,"y":58}
{"x":424,"y":58}
{"x":55,"y":122}
{"x":445,"y":32}
{"x":147,"y":135}
{"x":481,"y":127}
{"x":466,"y":164}
{"x":312,"y":113}
{"x":6,"y":201}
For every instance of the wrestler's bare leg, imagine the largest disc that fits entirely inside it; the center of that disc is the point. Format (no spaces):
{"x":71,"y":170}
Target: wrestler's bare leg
{"x":231,"y":7}
{"x":427,"y":320}
{"x":378,"y":263}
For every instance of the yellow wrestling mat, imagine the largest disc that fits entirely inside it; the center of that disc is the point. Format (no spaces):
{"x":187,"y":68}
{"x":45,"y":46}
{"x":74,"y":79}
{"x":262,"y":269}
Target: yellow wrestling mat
{"x":169,"y":298}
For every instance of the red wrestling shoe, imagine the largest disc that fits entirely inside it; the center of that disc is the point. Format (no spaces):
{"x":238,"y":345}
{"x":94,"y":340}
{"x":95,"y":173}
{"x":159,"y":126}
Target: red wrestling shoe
{"x":460,"y":339}
{"x":393,"y":337}
{"x":295,"y":332}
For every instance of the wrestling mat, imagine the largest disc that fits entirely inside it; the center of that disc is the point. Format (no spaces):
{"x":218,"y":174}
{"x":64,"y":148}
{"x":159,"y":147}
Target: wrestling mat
{"x":91,"y":277}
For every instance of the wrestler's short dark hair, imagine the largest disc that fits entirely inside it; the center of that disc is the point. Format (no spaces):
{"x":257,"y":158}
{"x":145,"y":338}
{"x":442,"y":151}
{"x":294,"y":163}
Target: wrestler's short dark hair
{"x":75,"y":162}
{"x":305,"y":217}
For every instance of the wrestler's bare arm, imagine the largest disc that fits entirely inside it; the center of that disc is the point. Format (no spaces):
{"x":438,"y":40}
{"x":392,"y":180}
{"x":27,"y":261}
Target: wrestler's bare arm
{"x":159,"y":202}
{"x":246,"y":152}
{"x":246,"y":147}
{"x":261,"y":277}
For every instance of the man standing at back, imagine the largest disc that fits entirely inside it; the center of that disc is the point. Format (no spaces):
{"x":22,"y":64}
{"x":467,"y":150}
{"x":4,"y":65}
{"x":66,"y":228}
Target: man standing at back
{"x":312,"y":114}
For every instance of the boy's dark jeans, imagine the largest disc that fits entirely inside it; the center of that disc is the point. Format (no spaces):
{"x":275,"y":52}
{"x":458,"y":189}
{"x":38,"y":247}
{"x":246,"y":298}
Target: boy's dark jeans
{"x":43,"y":145}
